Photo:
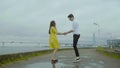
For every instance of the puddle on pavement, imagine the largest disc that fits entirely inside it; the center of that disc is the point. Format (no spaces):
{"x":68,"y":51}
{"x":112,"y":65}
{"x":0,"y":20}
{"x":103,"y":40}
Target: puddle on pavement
{"x":62,"y":56}
{"x":101,"y":62}
{"x":44,"y":65}
{"x":49,"y":65}
{"x":65,"y":62}
{"x":85,"y":56}
{"x":95,"y":64}
{"x":61,"y":65}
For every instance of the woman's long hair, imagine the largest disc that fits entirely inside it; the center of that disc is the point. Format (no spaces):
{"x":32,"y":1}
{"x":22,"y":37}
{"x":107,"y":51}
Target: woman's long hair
{"x":52,"y":24}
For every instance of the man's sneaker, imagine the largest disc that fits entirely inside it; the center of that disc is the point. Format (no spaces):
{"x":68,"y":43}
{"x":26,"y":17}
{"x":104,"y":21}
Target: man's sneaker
{"x":77,"y":60}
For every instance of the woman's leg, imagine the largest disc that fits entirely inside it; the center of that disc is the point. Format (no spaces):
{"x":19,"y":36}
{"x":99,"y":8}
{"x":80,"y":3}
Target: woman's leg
{"x":54,"y":54}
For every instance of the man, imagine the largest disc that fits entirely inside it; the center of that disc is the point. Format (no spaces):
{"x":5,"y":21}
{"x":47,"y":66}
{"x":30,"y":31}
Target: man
{"x":76,"y":35}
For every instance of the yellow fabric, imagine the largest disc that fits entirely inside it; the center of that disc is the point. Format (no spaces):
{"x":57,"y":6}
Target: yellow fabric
{"x":53,"y":40}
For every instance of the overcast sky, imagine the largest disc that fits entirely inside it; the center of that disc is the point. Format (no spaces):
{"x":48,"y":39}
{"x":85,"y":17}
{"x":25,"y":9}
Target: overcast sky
{"x":31,"y":18}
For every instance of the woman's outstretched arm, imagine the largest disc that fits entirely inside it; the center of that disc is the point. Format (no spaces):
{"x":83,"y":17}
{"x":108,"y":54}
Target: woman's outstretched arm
{"x":60,"y":33}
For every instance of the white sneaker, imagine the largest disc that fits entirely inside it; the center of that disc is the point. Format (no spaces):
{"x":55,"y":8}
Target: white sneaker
{"x":77,"y":60}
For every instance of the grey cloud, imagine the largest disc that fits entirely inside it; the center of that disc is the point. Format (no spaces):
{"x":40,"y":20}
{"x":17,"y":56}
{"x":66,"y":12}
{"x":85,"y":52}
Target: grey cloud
{"x":32,"y":17}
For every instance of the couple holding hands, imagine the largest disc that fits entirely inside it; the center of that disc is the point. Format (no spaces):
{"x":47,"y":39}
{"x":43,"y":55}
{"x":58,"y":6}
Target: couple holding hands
{"x":53,"y":40}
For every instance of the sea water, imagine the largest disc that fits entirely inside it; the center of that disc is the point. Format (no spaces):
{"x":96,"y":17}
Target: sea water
{"x":10,"y":48}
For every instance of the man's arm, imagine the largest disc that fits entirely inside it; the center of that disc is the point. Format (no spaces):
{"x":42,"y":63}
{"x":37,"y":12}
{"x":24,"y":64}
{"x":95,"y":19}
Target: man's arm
{"x":70,"y":31}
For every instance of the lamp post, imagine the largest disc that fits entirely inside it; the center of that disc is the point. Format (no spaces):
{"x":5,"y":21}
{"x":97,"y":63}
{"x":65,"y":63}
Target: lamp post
{"x":110,"y":45}
{"x":98,"y":32}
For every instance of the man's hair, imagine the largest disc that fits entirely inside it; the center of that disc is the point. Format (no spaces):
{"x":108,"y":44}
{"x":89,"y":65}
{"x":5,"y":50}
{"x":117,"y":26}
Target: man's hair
{"x":70,"y":15}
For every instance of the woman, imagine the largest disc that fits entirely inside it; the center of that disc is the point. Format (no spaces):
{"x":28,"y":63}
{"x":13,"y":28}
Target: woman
{"x":53,"y":40}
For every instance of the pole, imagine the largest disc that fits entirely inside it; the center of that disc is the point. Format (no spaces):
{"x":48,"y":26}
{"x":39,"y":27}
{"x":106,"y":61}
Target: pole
{"x":98,"y":33}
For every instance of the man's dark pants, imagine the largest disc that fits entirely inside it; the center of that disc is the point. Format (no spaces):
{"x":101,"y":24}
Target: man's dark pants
{"x":75,"y":41}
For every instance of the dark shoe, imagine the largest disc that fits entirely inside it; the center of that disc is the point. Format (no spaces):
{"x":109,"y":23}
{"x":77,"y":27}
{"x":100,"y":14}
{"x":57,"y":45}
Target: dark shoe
{"x":54,"y":61}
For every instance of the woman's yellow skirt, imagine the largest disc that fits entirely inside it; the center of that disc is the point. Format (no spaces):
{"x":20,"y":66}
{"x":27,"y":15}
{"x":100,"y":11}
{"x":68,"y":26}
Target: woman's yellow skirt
{"x":54,"y":43}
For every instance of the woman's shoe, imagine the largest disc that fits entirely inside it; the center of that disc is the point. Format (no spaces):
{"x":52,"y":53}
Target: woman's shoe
{"x":54,"y":61}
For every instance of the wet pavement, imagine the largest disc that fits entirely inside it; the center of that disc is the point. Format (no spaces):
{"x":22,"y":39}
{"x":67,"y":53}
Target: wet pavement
{"x":89,"y":59}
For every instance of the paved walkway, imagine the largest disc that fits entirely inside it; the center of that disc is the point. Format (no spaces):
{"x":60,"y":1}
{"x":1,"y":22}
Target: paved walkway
{"x":89,"y":59}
